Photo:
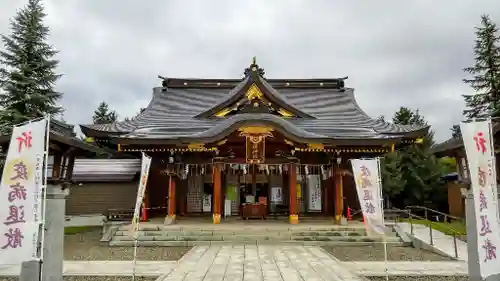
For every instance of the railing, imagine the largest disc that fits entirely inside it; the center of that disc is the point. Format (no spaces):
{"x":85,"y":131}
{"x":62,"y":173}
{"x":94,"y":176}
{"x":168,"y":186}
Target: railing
{"x":408,"y":216}
{"x":437,"y":215}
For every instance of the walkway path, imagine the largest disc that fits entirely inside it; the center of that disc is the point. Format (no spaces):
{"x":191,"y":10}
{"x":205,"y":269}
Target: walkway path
{"x":105,"y":268}
{"x":408,"y":268}
{"x":268,"y":263}
{"x":252,"y":263}
{"x":442,"y":242}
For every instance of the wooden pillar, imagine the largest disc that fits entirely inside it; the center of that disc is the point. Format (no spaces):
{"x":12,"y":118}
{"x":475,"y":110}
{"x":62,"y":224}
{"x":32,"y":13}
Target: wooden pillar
{"x":217,"y":198}
{"x":339,"y":196}
{"x":56,"y":166}
{"x":292,"y":183}
{"x":171,"y":199}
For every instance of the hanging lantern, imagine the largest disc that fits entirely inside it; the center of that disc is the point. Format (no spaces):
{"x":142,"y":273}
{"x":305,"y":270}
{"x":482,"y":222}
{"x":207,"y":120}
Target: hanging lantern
{"x":306,"y":170}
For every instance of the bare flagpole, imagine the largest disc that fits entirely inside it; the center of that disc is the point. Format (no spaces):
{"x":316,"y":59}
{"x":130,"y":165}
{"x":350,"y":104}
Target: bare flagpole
{"x":381,"y":197}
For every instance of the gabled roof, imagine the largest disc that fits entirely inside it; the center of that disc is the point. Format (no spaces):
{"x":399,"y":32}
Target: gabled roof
{"x":448,"y":147}
{"x":63,"y":133}
{"x":253,"y":84}
{"x":322,"y":109}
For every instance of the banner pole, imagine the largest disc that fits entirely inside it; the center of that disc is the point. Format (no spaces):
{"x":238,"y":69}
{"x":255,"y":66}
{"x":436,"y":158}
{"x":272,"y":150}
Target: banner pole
{"x":43,"y":190}
{"x":383,"y":217}
{"x":136,"y":242}
{"x":145,"y":166}
{"x":494,"y":188}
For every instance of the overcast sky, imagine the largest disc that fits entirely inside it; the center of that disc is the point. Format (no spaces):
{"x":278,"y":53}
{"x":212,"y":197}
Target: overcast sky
{"x":396,"y":53}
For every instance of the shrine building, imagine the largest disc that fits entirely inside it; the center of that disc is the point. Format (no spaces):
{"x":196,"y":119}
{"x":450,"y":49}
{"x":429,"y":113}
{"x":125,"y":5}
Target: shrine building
{"x":252,"y":147}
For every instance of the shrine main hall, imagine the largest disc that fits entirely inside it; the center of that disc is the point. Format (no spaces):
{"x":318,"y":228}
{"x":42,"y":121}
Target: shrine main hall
{"x":251,"y":147}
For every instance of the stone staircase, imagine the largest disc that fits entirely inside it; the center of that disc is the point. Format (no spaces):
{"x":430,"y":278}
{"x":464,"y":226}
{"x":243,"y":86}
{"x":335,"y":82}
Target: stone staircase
{"x":165,"y":236}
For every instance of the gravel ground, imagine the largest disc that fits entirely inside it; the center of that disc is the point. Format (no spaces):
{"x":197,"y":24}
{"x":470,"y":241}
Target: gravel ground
{"x":376,"y":253}
{"x":420,"y":278}
{"x":86,"y":246}
{"x":92,"y":278}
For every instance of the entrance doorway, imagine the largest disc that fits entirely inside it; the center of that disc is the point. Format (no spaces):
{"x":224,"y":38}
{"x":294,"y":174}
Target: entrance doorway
{"x":250,"y":194}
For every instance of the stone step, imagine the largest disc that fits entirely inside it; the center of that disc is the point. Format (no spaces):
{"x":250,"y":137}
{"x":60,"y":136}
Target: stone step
{"x":239,"y":232}
{"x":218,"y":243}
{"x":242,"y":228}
{"x":255,"y":238}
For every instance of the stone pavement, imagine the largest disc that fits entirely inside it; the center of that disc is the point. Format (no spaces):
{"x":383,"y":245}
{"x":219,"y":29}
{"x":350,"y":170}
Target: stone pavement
{"x":271,"y":263}
{"x":408,"y":268}
{"x":252,"y":263}
{"x":105,"y":268}
{"x":442,"y":242}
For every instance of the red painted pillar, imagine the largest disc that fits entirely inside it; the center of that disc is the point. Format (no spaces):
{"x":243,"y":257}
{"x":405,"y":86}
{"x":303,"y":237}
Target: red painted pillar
{"x":171,"y":199}
{"x":292,"y":180}
{"x":217,"y":194}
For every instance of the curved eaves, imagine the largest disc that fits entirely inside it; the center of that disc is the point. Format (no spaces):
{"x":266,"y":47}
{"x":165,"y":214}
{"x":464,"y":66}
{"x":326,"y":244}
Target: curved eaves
{"x":386,"y":127}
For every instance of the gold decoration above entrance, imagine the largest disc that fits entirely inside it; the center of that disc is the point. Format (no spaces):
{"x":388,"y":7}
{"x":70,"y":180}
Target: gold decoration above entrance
{"x":254,"y":100}
{"x":255,"y":143}
{"x":254,"y":93}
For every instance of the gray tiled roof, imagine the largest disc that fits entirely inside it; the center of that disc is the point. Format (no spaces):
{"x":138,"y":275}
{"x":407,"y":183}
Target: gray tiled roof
{"x":103,"y":170}
{"x":335,"y":114}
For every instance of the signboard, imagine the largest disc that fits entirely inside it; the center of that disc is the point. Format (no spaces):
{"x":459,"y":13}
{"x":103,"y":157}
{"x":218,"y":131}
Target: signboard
{"x":276,"y":195}
{"x":207,"y":203}
{"x":368,"y":185}
{"x":481,"y":163}
{"x":314,"y":186}
{"x":255,"y":149}
{"x":21,"y":193}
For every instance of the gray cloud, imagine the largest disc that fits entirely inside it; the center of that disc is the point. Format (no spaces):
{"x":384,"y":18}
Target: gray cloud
{"x":395,"y":53}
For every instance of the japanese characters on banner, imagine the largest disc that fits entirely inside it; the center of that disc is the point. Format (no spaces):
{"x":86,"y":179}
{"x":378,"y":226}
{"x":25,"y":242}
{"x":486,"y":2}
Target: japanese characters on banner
{"x":21,"y":193}
{"x":314,"y":194}
{"x":478,"y":146}
{"x":368,"y":186}
{"x":146,"y":163}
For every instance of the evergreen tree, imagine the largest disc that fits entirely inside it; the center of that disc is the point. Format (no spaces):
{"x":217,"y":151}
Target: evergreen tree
{"x":455,"y":132}
{"x":102,"y":115}
{"x":393,"y":182}
{"x":407,"y":116}
{"x":485,"y":73}
{"x":414,"y":175}
{"x":140,"y":112}
{"x":28,"y":69}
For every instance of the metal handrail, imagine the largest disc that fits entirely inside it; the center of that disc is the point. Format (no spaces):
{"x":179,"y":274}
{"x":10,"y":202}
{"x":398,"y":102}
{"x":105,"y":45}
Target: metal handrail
{"x":427,"y":223}
{"x":432,"y":211}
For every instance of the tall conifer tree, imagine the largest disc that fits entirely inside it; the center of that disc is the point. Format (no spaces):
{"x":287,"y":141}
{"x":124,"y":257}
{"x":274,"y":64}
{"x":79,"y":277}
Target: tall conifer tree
{"x":485,"y":73}
{"x":28,"y":69}
{"x":102,"y":115}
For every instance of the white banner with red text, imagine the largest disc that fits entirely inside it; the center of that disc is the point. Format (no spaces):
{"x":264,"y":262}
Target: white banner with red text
{"x":141,"y":190}
{"x":21,"y":193}
{"x":369,"y":185}
{"x":481,"y":163}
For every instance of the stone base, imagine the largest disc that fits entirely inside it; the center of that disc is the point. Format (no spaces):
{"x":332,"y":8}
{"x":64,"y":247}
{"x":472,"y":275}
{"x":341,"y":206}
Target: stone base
{"x":170,"y":219}
{"x":216,"y":218}
{"x":294,"y":219}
